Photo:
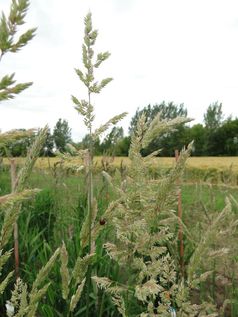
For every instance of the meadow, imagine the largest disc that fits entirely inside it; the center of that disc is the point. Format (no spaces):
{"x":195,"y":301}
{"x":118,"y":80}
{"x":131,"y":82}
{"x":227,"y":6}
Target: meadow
{"x":107,"y":237}
{"x":58,"y":211}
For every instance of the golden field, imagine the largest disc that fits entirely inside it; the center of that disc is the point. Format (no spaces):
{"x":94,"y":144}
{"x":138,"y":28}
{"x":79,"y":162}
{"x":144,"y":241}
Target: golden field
{"x":220,"y":163}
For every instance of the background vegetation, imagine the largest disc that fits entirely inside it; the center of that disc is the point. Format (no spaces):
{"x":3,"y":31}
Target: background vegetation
{"x":217,"y":136}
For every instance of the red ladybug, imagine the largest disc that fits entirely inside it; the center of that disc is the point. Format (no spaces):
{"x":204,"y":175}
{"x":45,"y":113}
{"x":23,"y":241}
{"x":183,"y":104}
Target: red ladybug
{"x":102,"y":222}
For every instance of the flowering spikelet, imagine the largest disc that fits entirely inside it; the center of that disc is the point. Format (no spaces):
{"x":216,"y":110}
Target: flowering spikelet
{"x":5,"y":282}
{"x":140,"y":240}
{"x":9,"y":200}
{"x":158,"y":127}
{"x":98,"y":132}
{"x":14,"y":135}
{"x":109,"y":286}
{"x":76,"y":297}
{"x":203,"y":247}
{"x":11,"y":206}
{"x":64,"y":271}
{"x":4,"y":257}
{"x":81,"y":267}
{"x":34,"y":300}
{"x":147,"y":290}
{"x":18,"y":302}
{"x":31,"y":159}
{"x":43,"y":273}
{"x":120,"y":304}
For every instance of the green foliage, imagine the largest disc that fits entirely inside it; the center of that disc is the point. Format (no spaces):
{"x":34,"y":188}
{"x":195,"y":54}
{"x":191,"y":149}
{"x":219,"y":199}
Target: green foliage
{"x":224,"y":140}
{"x":213,"y":116}
{"x":198,"y":133}
{"x":122,"y":146}
{"x":197,"y":201}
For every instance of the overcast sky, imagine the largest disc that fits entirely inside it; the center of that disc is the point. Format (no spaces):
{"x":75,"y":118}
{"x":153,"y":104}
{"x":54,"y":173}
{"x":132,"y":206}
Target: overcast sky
{"x":185,"y":51}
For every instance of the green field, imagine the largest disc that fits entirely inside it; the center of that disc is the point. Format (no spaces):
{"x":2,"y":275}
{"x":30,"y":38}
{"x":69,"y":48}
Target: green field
{"x":57,"y":214}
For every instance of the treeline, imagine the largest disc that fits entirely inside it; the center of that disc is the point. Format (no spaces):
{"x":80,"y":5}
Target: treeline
{"x":217,"y":136}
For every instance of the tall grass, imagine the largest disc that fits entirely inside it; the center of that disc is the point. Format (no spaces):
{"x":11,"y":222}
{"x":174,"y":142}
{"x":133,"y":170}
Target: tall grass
{"x":40,"y":239}
{"x":115,"y":233}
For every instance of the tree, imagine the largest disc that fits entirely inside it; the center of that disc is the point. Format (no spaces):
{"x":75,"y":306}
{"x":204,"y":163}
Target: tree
{"x":122,"y":146}
{"x":223,"y":141}
{"x":213,"y":117}
{"x":170,"y":141}
{"x":61,"y":135}
{"x":85,"y":143}
{"x":197,"y":133}
{"x":167,"y":111}
{"x":110,"y":141}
